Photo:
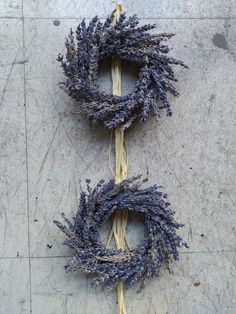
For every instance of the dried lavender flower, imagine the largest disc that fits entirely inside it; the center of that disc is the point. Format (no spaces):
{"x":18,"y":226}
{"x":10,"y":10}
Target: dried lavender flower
{"x":110,"y":265}
{"x":127,"y":40}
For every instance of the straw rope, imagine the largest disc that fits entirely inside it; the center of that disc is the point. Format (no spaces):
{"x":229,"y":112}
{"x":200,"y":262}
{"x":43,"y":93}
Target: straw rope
{"x":120,"y":217}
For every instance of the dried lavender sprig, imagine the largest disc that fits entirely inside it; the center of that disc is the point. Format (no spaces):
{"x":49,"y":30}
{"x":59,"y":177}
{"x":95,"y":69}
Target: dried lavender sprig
{"x":109,"y":266}
{"x":128,"y":41}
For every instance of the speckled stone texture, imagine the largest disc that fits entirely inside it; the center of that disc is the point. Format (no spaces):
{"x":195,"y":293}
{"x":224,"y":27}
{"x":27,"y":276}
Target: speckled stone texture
{"x":47,"y":152}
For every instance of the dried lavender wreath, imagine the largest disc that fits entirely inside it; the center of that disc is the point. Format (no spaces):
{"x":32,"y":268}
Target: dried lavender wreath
{"x":110,"y":265}
{"x":128,"y":41}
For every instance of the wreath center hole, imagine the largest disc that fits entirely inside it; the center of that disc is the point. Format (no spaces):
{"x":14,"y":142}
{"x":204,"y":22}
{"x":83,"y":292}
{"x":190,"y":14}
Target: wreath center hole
{"x":135,"y":231}
{"x":129,"y":76}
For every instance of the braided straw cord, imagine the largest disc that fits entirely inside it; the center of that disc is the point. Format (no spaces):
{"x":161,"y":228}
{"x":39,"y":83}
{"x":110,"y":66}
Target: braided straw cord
{"x":121,"y":217}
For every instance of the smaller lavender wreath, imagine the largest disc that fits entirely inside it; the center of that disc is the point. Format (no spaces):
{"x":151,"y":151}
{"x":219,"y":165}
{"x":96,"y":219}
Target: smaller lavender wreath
{"x":91,"y":44}
{"x":110,"y":265}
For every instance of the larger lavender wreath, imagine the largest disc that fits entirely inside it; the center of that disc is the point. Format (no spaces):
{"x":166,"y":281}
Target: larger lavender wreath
{"x":109,"y":265}
{"x":128,"y":41}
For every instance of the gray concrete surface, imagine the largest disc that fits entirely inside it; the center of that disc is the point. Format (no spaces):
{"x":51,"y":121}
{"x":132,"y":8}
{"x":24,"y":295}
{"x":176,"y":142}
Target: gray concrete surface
{"x":46,"y":150}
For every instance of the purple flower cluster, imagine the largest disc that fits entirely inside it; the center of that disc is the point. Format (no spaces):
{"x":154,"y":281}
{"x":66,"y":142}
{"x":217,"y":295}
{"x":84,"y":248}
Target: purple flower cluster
{"x":109,"y":265}
{"x":91,"y":43}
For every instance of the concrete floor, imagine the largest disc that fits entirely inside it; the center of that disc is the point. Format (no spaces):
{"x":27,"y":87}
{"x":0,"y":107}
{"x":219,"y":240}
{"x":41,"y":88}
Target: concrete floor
{"x":46,"y":150}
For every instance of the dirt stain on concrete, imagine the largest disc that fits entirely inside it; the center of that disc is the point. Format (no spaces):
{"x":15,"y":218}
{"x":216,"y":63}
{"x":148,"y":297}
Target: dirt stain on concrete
{"x":220,"y":41}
